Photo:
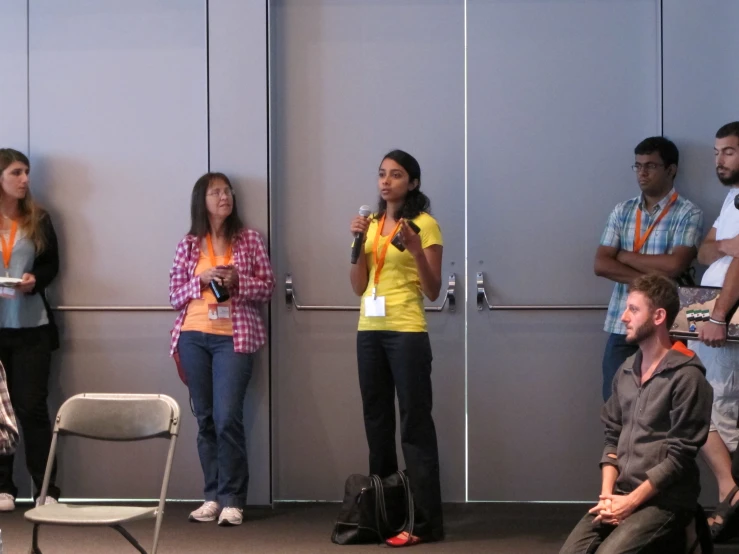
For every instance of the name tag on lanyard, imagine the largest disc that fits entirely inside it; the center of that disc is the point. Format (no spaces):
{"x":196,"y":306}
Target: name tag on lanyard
{"x":8,"y":292}
{"x":219,"y":311}
{"x":374,"y":306}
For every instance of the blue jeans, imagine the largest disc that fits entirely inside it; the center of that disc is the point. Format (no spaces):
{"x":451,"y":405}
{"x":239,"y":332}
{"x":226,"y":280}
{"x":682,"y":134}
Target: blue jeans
{"x":617,"y":350}
{"x":217,"y":378}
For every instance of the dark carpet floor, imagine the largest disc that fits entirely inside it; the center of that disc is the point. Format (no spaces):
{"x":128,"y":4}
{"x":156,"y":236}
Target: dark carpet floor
{"x":306,"y":528}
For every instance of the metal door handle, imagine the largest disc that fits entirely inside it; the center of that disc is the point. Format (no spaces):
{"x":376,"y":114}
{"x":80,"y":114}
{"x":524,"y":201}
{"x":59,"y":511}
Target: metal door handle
{"x":482,"y":301}
{"x":291,"y":300}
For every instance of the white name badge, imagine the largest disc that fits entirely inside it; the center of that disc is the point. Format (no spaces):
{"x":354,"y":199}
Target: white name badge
{"x":374,"y":307}
{"x":216,"y":311}
{"x":7,"y":292}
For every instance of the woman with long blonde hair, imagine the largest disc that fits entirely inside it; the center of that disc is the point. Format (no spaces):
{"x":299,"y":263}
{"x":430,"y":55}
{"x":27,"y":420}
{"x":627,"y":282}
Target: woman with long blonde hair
{"x":28,"y":335}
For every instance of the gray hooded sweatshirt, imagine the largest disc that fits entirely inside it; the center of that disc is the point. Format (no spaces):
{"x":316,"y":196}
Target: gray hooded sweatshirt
{"x":656,"y":429}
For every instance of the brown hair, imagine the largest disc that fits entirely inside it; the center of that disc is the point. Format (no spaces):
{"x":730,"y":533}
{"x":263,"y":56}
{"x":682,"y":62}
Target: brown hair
{"x":199,"y":223}
{"x":661,"y":293}
{"x":31,"y":214}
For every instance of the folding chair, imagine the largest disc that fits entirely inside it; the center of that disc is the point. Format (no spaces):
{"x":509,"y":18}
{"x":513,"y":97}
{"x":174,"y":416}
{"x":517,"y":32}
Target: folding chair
{"x":109,"y":417}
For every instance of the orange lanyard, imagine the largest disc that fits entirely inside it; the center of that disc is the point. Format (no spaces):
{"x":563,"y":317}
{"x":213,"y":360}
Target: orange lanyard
{"x":8,"y":246}
{"x":639,"y":240}
{"x":212,"y":253}
{"x":380,"y":258}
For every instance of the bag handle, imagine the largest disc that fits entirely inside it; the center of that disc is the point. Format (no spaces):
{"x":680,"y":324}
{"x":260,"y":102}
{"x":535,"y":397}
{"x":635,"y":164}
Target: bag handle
{"x":411,"y":518}
{"x":381,"y":509}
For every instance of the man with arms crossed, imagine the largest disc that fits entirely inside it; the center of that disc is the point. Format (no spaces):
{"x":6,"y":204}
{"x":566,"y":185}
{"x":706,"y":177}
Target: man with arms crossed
{"x":658,"y":231}
{"x":656,"y":420}
{"x":720,"y":250}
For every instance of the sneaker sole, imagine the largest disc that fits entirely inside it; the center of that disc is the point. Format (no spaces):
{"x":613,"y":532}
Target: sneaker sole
{"x":194,"y":519}
{"x":226,"y":523}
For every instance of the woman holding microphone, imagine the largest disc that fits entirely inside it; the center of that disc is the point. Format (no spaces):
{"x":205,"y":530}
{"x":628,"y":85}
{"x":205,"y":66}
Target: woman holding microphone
{"x":399,"y":265}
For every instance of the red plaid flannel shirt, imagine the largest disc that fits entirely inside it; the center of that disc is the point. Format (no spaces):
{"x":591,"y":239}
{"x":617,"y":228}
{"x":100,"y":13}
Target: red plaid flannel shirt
{"x":255,"y":285}
{"x":8,"y":425}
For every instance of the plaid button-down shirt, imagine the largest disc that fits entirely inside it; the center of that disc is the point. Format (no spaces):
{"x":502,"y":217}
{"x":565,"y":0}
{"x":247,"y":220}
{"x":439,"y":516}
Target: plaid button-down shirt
{"x":8,"y":425}
{"x":682,"y":226}
{"x":254,"y":287}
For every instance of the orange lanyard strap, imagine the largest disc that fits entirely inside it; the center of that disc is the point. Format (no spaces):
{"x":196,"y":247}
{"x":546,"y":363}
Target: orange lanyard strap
{"x":8,"y":246}
{"x":212,"y":253}
{"x":639,"y":240}
{"x":380,"y":258}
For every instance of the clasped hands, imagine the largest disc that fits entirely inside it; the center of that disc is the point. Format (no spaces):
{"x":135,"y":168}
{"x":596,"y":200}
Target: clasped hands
{"x":612,"y":509}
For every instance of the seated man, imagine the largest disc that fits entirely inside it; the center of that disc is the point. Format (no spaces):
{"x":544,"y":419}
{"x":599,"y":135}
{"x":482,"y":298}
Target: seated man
{"x":656,"y":421}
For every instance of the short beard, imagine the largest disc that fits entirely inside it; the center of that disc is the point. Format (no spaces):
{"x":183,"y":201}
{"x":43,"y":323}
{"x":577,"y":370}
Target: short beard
{"x":642,"y":333}
{"x":730,"y":180}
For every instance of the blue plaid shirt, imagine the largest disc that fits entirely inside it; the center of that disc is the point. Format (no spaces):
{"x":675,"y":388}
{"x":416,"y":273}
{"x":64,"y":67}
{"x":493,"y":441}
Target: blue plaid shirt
{"x":682,"y":226}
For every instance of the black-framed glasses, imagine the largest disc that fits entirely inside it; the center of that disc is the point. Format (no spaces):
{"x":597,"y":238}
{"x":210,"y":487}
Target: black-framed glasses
{"x":648,"y":167}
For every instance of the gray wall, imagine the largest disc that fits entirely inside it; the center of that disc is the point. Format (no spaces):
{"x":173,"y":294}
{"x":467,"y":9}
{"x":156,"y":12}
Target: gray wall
{"x":238,"y":147}
{"x":14,"y":126}
{"x":523,"y":157}
{"x":128,"y":106}
{"x":351,"y":81}
{"x":554,"y":115}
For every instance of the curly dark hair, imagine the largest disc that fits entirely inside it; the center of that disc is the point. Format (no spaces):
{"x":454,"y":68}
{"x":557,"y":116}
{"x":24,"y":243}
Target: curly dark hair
{"x":416,"y":202}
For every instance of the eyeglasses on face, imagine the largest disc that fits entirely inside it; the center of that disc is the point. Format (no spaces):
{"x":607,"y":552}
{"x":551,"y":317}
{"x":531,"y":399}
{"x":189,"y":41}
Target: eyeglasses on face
{"x":648,"y":167}
{"x":217,"y":193}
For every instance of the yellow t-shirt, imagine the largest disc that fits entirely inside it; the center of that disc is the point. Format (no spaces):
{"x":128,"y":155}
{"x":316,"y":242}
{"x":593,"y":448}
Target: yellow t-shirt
{"x":197,"y":317}
{"x":399,"y":281}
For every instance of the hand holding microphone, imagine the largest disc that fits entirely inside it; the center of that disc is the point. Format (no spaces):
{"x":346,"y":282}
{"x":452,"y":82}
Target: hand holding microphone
{"x":358,"y":228}
{"x":218,"y":279}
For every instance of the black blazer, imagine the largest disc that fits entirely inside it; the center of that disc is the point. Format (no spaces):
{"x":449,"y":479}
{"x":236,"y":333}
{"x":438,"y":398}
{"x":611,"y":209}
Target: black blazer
{"x":45,"y":269}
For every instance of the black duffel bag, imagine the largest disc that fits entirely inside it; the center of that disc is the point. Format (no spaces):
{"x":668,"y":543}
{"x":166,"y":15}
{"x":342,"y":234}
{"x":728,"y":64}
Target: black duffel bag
{"x":374,"y":509}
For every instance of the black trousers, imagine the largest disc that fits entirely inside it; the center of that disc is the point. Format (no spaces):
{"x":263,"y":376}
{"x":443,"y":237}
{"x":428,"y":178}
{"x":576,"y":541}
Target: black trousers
{"x":26,"y":356}
{"x":391,"y":361}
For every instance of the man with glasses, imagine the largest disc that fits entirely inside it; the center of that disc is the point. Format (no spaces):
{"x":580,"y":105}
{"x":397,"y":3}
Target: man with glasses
{"x":657,"y":232}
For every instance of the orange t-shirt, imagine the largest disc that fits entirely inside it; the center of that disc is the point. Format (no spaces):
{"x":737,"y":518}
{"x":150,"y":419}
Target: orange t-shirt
{"x":198,"y":316}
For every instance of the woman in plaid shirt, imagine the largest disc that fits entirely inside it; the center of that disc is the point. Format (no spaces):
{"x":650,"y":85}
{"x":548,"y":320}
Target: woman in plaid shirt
{"x":216,"y":340}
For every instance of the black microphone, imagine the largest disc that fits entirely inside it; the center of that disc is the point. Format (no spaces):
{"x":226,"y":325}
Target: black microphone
{"x":364,"y":211}
{"x":736,"y":202}
{"x":219,"y":291}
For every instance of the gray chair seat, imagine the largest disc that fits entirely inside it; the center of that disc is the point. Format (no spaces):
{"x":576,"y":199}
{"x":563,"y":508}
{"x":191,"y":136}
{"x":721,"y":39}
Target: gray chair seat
{"x":88,"y":514}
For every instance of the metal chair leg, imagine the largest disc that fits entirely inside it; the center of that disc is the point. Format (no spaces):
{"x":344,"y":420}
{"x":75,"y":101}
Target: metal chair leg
{"x":34,"y":540}
{"x":130,"y":538}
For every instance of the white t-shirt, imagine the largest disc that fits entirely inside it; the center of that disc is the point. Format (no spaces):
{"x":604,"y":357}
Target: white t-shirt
{"x":727,"y":226}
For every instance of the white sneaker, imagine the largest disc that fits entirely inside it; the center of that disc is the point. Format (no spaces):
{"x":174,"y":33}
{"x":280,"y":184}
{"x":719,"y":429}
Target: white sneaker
{"x":231,"y":516}
{"x":49,"y":500}
{"x":207,"y":512}
{"x":7,"y":502}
